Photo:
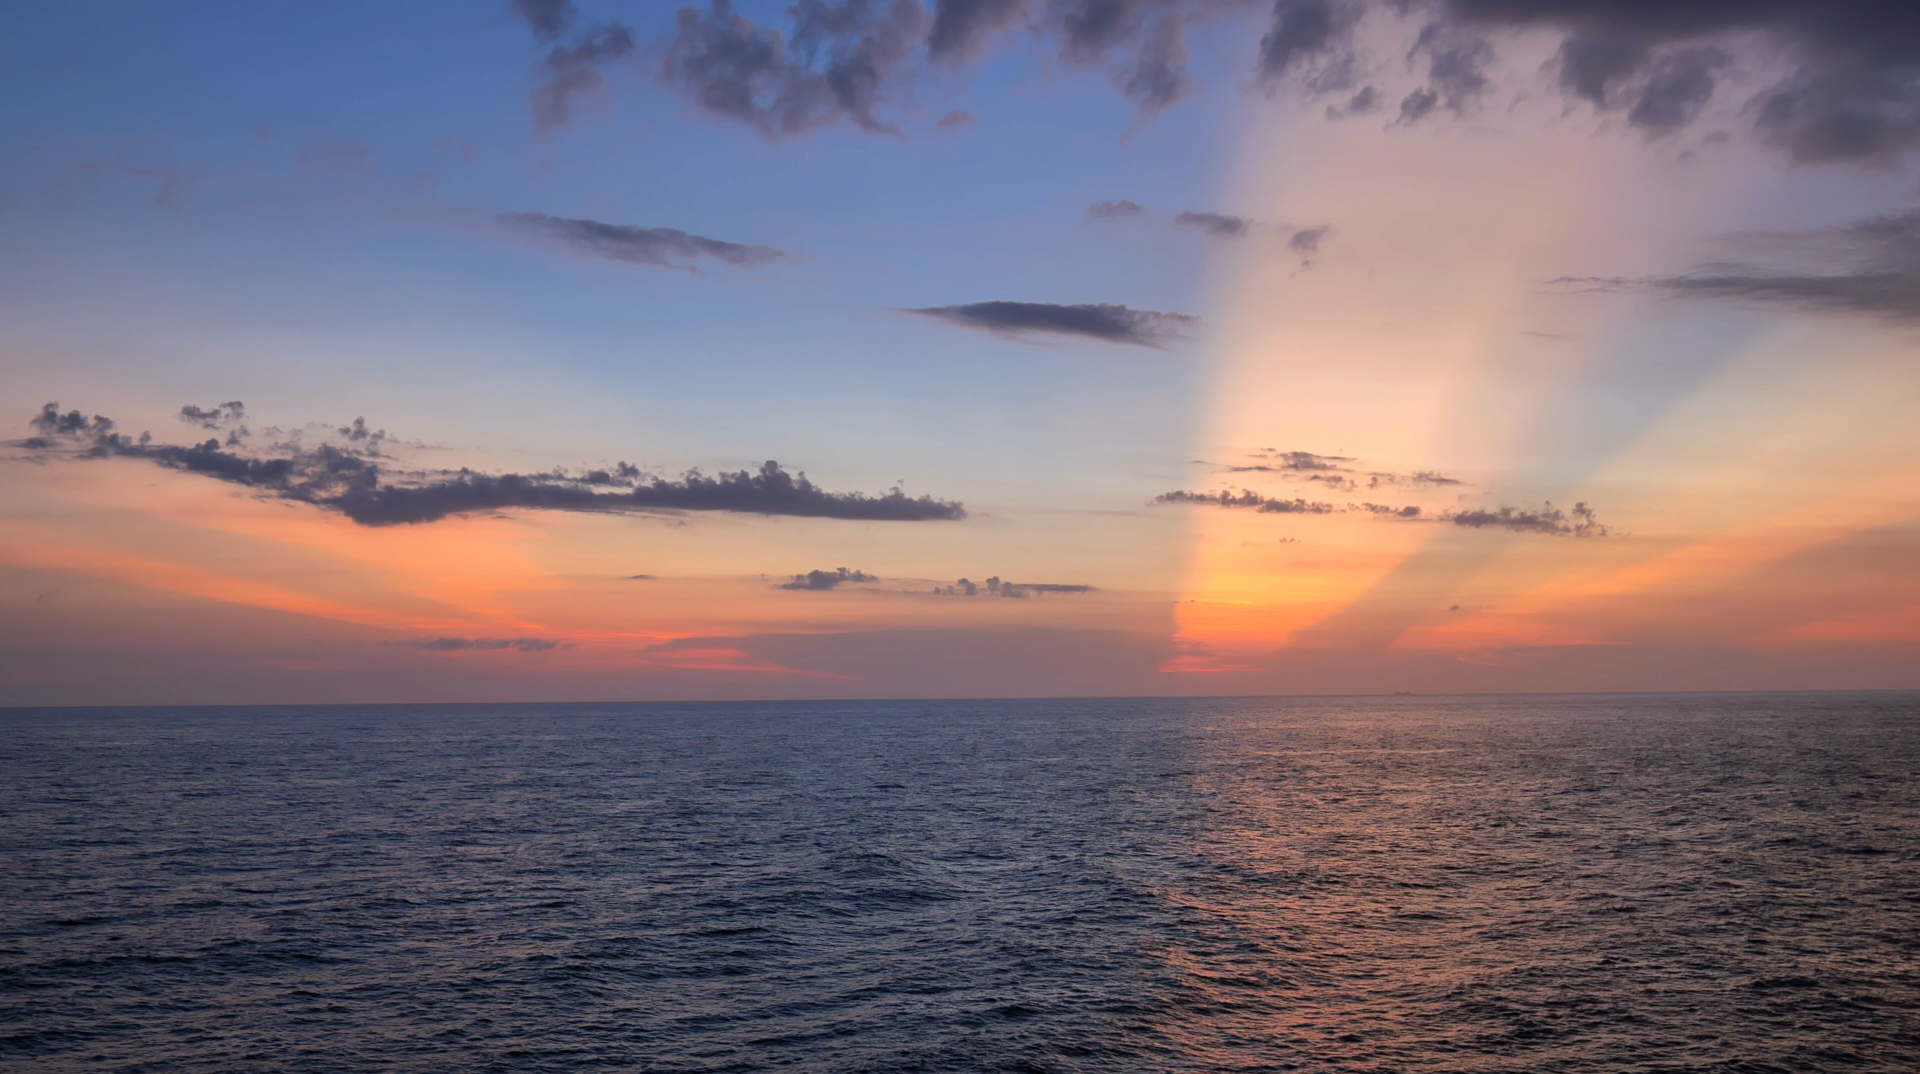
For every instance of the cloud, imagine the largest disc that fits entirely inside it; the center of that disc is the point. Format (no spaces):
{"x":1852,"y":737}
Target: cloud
{"x":1844,"y":81}
{"x":1417,"y":479}
{"x":954,"y":120}
{"x":823,"y":580}
{"x":345,"y":475}
{"x":574,"y":71}
{"x":1550,"y":520}
{"x":1869,"y":267}
{"x":639,"y":578}
{"x":1659,"y":95}
{"x":1387,"y":511}
{"x":1456,"y":71}
{"x":213,"y":417}
{"x":1046,"y":587}
{"x":959,"y":26}
{"x":1009,"y":590}
{"x":846,"y":61}
{"x":1311,"y":43}
{"x":1849,"y":90}
{"x":1307,"y":240}
{"x":1547,"y":519}
{"x":1249,"y":498}
{"x":663,"y":246}
{"x":568,"y":71}
{"x":1284,"y":461}
{"x":1110,"y":323}
{"x":1329,"y":470}
{"x":1217,"y":225}
{"x":1114,"y":210}
{"x":547,"y":19}
{"x":454,"y":645}
{"x":840,"y":63}
{"x":1364,"y":100}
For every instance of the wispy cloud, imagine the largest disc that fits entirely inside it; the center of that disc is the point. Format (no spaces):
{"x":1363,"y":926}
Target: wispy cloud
{"x":1272,"y":461}
{"x":1547,"y":519}
{"x":994,"y":587}
{"x":1105,"y":322}
{"x":1869,"y":266}
{"x":1249,"y":498}
{"x":523,"y":645}
{"x":345,"y":474}
{"x":1333,"y":471}
{"x":1114,"y":210}
{"x":664,"y":246}
{"x":1217,"y":225}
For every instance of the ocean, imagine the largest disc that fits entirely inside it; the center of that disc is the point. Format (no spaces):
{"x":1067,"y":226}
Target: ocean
{"x":1583,"y":883}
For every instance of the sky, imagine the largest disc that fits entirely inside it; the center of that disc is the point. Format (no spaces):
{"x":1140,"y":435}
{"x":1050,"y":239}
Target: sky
{"x":528,"y":350}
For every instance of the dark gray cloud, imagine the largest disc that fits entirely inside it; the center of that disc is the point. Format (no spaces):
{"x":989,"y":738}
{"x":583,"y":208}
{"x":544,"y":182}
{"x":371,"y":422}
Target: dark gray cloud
{"x":1549,"y":520}
{"x":960,"y":27}
{"x":845,"y":61}
{"x":1850,"y":90}
{"x":1114,"y":210}
{"x":994,"y":587}
{"x":822,"y":580}
{"x":639,"y":578}
{"x":347,"y":476}
{"x":454,"y":645}
{"x":1331,"y":471}
{"x":663,"y":246}
{"x":1456,"y":62}
{"x":1218,"y":225}
{"x":1659,"y":93}
{"x":548,"y":19}
{"x":1310,"y":42}
{"x":1249,"y":498}
{"x":1110,"y":323}
{"x":1846,"y":83}
{"x":570,"y":71}
{"x":1307,"y":240}
{"x":1364,"y":100}
{"x":840,"y":63}
{"x":1418,"y":479}
{"x":1387,"y":511}
{"x":1870,"y":267}
{"x":1302,"y":461}
{"x":214,"y":417}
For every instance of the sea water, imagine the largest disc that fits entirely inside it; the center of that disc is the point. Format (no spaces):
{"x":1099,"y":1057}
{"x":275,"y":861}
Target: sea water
{"x":1646,"y":883}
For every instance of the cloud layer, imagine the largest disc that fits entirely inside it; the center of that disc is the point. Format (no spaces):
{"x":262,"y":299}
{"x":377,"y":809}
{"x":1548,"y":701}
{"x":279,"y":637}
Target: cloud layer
{"x":1108,"y":323}
{"x":345,"y":475}
{"x":1841,"y":78}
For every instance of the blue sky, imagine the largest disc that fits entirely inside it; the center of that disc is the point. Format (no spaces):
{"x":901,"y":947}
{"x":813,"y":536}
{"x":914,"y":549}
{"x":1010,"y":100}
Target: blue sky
{"x":1463,"y":264}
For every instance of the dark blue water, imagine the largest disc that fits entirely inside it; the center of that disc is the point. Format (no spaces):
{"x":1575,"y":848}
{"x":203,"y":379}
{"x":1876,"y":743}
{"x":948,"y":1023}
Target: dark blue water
{"x":1405,"y":884}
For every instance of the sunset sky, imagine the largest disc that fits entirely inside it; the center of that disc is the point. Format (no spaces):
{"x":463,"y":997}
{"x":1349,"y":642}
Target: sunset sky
{"x":1212,"y":347}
